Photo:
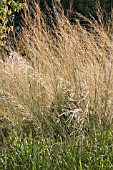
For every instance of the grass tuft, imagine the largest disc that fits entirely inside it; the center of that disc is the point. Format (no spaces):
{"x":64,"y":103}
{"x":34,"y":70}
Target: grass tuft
{"x":56,"y":96}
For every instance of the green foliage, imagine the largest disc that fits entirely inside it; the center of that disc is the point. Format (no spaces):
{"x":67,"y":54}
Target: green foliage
{"x":91,"y":150}
{"x":6,"y":9}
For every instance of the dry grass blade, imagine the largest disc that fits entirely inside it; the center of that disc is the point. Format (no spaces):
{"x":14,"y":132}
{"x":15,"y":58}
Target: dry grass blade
{"x":57,"y":61}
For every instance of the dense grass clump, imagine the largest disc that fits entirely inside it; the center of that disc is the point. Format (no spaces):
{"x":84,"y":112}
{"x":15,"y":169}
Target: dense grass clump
{"x":93,"y":151}
{"x":56,"y":95}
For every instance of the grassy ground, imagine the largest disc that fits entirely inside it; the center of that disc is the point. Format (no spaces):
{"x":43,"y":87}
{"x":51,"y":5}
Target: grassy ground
{"x":56,"y":97}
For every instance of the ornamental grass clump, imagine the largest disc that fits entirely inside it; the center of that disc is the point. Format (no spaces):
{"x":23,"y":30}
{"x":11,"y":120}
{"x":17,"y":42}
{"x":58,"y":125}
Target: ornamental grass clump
{"x":58,"y":97}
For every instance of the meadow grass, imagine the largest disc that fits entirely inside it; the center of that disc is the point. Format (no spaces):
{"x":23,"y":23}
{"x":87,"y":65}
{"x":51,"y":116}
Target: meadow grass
{"x":56,"y":96}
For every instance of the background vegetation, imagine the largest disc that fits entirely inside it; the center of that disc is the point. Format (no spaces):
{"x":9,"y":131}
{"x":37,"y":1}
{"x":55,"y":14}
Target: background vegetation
{"x":85,"y":7}
{"x":7,"y":8}
{"x":56,"y":94}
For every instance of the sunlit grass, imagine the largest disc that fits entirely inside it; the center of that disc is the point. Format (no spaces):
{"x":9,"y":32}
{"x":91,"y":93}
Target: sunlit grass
{"x":56,"y":97}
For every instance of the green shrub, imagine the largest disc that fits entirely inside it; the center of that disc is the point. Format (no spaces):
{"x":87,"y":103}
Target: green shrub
{"x":6,"y":9}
